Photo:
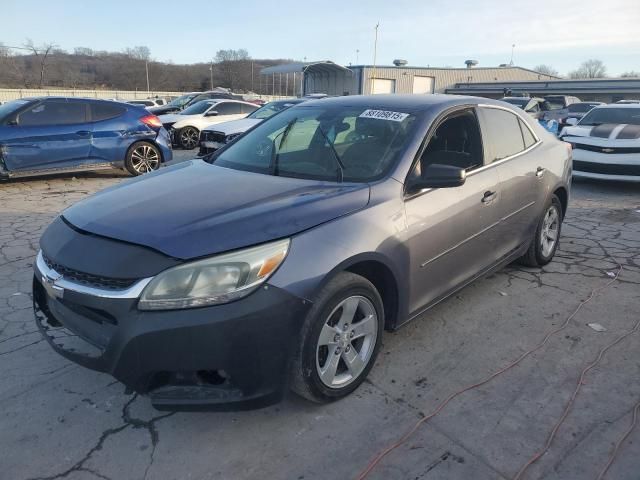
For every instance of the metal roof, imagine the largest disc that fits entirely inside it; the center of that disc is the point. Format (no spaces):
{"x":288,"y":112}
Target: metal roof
{"x":599,"y":85}
{"x":325,"y":66}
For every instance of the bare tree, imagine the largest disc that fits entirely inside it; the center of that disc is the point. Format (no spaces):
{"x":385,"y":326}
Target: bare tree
{"x":233,"y":64}
{"x":630,"y":74}
{"x":546,"y":70}
{"x":41,"y":53}
{"x":592,"y":68}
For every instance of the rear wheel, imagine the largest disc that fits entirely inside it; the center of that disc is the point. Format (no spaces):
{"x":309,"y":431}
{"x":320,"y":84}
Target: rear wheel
{"x":189,"y":137}
{"x":142,"y":157}
{"x":340,"y":339}
{"x":547,"y":237}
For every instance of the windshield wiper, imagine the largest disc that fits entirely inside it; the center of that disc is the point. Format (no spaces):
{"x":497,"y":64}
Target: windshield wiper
{"x":275,"y":155}
{"x":341,"y":166}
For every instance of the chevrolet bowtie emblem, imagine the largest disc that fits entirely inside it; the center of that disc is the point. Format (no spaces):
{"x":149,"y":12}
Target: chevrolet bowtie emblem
{"x":49,"y":284}
{"x":608,"y":150}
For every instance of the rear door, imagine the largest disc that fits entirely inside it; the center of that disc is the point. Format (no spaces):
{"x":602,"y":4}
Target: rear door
{"x":229,"y":111}
{"x":451,"y":231}
{"x":50,"y":134}
{"x":510,"y":145}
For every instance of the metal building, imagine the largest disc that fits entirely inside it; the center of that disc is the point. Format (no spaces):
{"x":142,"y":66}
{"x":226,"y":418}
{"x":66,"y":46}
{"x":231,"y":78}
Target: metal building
{"x":601,"y":90}
{"x":333,"y":79}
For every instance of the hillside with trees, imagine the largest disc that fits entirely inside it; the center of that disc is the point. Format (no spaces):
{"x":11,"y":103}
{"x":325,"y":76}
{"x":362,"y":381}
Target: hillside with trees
{"x":31,"y":66}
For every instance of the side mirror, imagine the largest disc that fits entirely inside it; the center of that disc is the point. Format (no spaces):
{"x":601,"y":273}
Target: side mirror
{"x":437,"y":175}
{"x":571,"y":121}
{"x":211,"y":113}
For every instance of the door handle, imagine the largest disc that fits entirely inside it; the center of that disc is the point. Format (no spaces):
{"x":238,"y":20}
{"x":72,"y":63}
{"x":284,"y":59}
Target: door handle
{"x":540,"y":172}
{"x":488,"y":197}
{"x":83,"y":133}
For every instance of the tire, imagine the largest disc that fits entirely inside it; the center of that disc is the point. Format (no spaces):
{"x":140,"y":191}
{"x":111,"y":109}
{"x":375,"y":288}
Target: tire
{"x":540,"y":252}
{"x":142,"y":157}
{"x":325,"y":323}
{"x":189,"y":137}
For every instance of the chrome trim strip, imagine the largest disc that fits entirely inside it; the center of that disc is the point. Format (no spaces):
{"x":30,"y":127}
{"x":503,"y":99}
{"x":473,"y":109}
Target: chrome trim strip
{"x":503,"y":160}
{"x":59,"y":281}
{"x":517,"y":211}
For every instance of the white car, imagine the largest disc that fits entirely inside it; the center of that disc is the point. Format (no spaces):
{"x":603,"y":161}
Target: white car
{"x":606,"y":143}
{"x":184,"y":127}
{"x":216,"y":136}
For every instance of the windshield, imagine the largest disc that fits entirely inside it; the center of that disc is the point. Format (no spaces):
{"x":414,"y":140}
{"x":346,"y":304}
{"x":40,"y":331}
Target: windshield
{"x":598,"y":116}
{"x":518,"y":102}
{"x":270,"y":109}
{"x":181,"y":101}
{"x":555,"y":103}
{"x":197,"y":108}
{"x":322,"y":142}
{"x":581,"y":107}
{"x":9,"y":107}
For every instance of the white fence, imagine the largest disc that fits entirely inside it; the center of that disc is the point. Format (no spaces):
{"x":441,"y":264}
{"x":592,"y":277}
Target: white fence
{"x":7,"y":94}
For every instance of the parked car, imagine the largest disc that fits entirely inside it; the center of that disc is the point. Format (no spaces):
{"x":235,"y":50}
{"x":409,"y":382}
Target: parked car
{"x":627,"y":101}
{"x":606,"y":143}
{"x":533,"y":106}
{"x":149,"y":102}
{"x":282,"y":260}
{"x":558,"y":107}
{"x":57,"y":134}
{"x":192,"y":98}
{"x":218,"y":135}
{"x":184,"y":127}
{"x":577,"y":111}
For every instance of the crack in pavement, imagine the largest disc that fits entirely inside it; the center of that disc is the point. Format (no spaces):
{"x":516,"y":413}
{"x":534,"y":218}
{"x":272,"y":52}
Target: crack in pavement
{"x":129,"y":421}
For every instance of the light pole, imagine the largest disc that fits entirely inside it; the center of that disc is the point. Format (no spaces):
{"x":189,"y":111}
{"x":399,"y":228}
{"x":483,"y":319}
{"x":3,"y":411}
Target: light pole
{"x":513,"y":46}
{"x":375,"y":52}
{"x":357,"y":56}
{"x":211,"y":73}
{"x":146,"y":66}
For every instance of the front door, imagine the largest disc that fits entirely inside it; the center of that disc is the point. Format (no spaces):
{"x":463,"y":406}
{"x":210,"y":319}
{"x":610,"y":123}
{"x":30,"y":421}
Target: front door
{"x":451,"y":231}
{"x":50,"y":134}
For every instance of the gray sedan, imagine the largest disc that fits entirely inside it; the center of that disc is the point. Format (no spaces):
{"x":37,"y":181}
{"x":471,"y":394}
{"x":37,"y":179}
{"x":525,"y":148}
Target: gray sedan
{"x":280,"y":261}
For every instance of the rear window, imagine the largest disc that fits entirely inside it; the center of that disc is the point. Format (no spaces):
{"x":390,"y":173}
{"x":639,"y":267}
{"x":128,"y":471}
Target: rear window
{"x":9,"y":107}
{"x":598,"y":116}
{"x":518,"y":102}
{"x":105,"y":111}
{"x":581,"y":107}
{"x":502,"y":132}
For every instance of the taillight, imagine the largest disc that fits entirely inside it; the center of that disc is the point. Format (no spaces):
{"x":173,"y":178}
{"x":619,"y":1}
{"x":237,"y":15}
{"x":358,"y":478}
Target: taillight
{"x":151,"y":121}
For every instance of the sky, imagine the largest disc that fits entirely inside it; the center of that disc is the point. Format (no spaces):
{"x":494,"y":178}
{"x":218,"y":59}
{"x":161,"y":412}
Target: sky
{"x":425,"y":32}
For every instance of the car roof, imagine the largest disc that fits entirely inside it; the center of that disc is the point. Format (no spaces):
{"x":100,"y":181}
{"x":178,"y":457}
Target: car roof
{"x":407,"y":102}
{"x":619,"y":105}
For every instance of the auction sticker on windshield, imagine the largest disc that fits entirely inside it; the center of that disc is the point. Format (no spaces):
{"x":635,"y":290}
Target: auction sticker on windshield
{"x":384,"y":115}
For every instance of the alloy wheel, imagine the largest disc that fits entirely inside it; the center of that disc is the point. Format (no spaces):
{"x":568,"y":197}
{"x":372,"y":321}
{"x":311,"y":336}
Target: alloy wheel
{"x":550,"y":230}
{"x":346,"y":341}
{"x":144,"y":159}
{"x":189,"y":138}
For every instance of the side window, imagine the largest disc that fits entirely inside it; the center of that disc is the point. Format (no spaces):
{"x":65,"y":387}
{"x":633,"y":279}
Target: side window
{"x":228,"y":108}
{"x":54,"y":112}
{"x":105,"y":111}
{"x":535,"y":108}
{"x":529,"y":139}
{"x":455,"y":142}
{"x":246,"y":108}
{"x":501,"y":131}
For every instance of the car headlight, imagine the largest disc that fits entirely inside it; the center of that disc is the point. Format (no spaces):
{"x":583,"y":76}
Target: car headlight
{"x":214,"y":280}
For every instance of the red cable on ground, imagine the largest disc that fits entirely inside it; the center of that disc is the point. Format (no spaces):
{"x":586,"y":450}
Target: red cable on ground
{"x":364,"y":473}
{"x":565,"y":413}
{"x":620,"y":442}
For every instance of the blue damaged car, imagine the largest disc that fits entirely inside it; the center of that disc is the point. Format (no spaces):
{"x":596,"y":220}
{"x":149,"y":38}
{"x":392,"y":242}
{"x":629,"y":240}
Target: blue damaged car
{"x":283,"y":256}
{"x":47,"y":135}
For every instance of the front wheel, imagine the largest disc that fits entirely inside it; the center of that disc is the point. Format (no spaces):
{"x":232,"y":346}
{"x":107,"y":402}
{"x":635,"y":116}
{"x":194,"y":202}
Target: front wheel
{"x":189,"y":137}
{"x":339,"y":340}
{"x":142,"y":157}
{"x":547,"y":237}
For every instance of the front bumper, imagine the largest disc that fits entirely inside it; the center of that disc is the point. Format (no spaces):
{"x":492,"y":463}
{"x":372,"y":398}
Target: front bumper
{"x":232,"y":356}
{"x":606,"y":166}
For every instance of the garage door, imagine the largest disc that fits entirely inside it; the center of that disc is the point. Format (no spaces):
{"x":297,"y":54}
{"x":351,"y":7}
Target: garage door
{"x":383,"y":85}
{"x":422,"y":84}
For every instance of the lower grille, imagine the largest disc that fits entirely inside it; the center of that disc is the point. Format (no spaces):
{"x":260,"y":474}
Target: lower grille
{"x":606,"y":168}
{"x":88,"y":279}
{"x":608,"y":150}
